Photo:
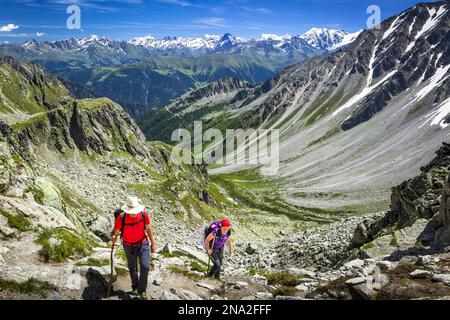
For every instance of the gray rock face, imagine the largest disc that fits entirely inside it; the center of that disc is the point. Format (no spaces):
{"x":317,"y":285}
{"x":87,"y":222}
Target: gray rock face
{"x":238,"y":285}
{"x":5,"y":230}
{"x":168,"y":295}
{"x":420,"y":274}
{"x":356,"y":281}
{"x":91,"y":125}
{"x":445,"y":278}
{"x":13,"y":154}
{"x":443,"y":233}
{"x":208,"y":286}
{"x":191,"y":252}
{"x":421,"y":197}
{"x":364,"y":290}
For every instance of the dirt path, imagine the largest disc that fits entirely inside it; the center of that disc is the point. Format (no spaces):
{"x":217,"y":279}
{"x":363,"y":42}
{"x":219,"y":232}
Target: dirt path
{"x":169,"y":279}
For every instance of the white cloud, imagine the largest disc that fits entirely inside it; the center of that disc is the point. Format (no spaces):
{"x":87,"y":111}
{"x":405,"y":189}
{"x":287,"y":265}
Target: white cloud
{"x":213,"y":22}
{"x":181,"y":3}
{"x":256,"y":10}
{"x":263,"y":11}
{"x":9,"y":28}
{"x":40,"y":34}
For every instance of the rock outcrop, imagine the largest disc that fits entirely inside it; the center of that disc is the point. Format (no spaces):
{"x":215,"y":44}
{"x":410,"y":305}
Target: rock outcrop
{"x":443,"y":232}
{"x":421,"y":197}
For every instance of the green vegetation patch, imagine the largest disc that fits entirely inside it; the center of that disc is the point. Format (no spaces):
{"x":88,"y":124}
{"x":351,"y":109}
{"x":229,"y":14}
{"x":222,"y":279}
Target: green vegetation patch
{"x":403,"y":269}
{"x":93,"y":104}
{"x":197,"y":266}
{"x":32,"y":285}
{"x":325,"y":137}
{"x":185,"y":272}
{"x":58,"y":244}
{"x":121,"y":271}
{"x":254,"y":191}
{"x":394,"y":242}
{"x":282,"y":278}
{"x":93,"y":262}
{"x":285,"y":291}
{"x":417,"y":107}
{"x":170,"y":254}
{"x":320,"y":108}
{"x":17,"y":222}
{"x":368,"y":246}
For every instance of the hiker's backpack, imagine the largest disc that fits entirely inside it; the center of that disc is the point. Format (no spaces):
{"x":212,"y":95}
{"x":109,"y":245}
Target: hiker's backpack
{"x":119,"y":212}
{"x":208,"y":229}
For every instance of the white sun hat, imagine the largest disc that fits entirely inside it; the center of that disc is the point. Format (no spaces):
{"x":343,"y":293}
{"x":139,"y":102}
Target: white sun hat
{"x":133,"y":206}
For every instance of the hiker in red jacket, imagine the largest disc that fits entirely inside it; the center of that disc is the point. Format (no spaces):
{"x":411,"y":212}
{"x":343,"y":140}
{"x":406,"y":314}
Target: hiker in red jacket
{"x":133,"y":224}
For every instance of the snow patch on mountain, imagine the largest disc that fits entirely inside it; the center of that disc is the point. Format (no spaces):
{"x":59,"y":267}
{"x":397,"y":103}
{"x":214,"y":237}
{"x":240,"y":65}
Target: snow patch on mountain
{"x":346,"y":40}
{"x":441,"y":113}
{"x":393,"y":27}
{"x":268,"y":36}
{"x":328,"y":39}
{"x":434,"y":17}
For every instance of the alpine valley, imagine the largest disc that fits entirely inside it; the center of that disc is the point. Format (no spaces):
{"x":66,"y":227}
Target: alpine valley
{"x":359,"y":208}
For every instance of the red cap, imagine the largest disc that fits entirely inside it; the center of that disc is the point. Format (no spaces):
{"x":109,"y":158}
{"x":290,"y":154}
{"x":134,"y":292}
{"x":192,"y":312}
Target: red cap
{"x":225,"y":223}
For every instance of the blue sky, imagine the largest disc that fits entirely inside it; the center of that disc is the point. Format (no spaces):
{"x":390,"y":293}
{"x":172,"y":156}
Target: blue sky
{"x":125,"y":19}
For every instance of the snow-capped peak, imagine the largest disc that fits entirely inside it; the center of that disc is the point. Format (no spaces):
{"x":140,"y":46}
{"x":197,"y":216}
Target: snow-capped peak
{"x":207,"y":42}
{"x":86,"y":40}
{"x":268,"y":36}
{"x":30,"y":43}
{"x":328,"y":39}
{"x":318,"y":38}
{"x":346,"y":40}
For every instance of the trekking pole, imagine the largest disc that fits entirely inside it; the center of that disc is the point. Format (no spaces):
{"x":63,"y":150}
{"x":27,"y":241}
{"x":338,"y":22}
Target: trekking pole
{"x":209,"y":257}
{"x":209,"y":262}
{"x":112,"y":268}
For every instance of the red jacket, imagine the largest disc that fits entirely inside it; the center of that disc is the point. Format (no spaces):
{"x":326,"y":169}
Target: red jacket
{"x":134,"y":231}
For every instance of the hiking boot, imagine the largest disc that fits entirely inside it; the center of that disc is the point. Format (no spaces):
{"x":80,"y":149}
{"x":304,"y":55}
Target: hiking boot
{"x":143,"y":295}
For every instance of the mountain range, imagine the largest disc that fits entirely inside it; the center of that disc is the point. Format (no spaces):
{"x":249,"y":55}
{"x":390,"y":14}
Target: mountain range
{"x":145,"y":72}
{"x":322,"y":39}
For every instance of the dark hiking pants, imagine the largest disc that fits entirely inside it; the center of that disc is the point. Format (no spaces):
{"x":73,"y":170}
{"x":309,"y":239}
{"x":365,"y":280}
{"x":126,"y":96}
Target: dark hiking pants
{"x":216,"y":257}
{"x":138,"y":281}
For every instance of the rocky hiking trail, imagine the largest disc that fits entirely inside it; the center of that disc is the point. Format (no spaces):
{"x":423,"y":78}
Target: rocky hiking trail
{"x":403,"y":253}
{"x":166,"y":284}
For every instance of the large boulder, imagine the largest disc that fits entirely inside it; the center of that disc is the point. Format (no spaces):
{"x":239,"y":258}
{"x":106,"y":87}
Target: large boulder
{"x":192,"y":253}
{"x":390,"y":245}
{"x":101,"y":227}
{"x":47,"y":194}
{"x":5,"y":230}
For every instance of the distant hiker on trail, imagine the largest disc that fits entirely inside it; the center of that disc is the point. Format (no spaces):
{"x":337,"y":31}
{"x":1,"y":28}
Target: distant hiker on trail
{"x":133,"y":224}
{"x":216,"y":236}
